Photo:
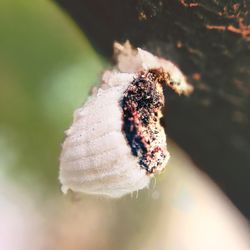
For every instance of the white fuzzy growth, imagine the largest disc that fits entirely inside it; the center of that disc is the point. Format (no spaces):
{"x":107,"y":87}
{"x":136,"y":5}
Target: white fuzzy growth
{"x":96,"y":157}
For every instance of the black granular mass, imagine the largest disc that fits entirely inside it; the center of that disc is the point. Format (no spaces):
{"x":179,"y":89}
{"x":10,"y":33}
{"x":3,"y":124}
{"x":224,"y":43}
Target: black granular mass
{"x":141,"y":103}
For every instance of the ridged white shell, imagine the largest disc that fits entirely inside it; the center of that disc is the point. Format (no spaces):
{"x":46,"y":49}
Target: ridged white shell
{"x":96,"y":157}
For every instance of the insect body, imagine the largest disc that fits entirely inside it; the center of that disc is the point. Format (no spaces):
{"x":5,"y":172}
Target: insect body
{"x":116,"y":142}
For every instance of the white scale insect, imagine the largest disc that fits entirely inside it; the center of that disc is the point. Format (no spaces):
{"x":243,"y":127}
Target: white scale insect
{"x":116,"y":143}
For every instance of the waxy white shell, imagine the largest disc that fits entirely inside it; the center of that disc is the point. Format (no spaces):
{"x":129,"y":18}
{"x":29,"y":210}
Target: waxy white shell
{"x":96,"y":157}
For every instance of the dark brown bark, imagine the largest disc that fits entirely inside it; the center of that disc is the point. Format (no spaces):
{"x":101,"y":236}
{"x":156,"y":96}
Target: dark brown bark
{"x":210,"y":42}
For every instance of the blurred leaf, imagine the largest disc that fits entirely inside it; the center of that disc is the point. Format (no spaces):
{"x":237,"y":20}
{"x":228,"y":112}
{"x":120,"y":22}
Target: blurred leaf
{"x":47,"y":67}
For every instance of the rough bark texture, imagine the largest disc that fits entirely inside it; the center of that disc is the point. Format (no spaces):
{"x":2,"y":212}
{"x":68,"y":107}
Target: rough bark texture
{"x":210,"y":42}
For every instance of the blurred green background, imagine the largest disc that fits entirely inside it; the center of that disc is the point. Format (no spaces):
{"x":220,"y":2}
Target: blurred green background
{"x":47,"y":68}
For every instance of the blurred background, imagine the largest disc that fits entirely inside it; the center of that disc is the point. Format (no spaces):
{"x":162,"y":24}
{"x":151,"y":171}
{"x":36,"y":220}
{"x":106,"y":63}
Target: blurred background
{"x":47,"y":68}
